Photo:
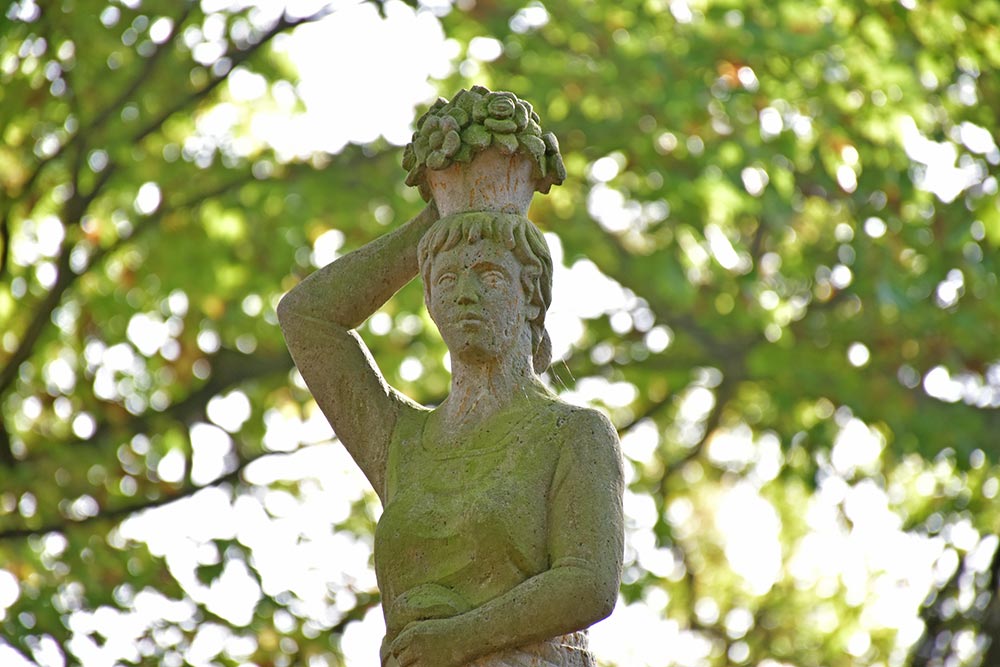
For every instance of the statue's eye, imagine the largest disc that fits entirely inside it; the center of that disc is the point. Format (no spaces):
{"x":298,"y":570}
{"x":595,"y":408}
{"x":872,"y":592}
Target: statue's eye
{"x":494,"y":278}
{"x":446,"y":279}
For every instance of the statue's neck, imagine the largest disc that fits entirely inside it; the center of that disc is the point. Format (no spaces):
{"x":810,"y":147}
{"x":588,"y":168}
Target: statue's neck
{"x":481,"y":390}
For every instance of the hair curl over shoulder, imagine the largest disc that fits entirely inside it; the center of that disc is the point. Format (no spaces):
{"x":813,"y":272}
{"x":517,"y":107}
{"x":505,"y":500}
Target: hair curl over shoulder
{"x":526,"y":243}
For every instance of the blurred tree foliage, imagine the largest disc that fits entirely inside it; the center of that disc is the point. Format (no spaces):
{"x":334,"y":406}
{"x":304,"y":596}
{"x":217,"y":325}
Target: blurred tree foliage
{"x":800,"y":200}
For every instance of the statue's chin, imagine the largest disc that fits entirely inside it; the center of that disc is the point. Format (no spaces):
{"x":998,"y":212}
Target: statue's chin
{"x":482,"y":355}
{"x":476,"y":343}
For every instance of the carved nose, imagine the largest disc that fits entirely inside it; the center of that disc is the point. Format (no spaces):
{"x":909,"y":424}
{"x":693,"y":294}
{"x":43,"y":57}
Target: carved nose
{"x":466,"y":292}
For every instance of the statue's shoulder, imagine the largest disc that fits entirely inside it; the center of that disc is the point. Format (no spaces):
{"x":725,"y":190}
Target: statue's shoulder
{"x":583,"y":425}
{"x":588,"y":447}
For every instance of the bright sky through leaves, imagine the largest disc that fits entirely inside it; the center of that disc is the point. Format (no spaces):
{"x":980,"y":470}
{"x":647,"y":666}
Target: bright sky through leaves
{"x":775,"y":269}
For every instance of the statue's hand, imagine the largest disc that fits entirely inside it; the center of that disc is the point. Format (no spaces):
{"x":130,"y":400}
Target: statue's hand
{"x":424,"y":602}
{"x":430,"y":212}
{"x":429,"y":643}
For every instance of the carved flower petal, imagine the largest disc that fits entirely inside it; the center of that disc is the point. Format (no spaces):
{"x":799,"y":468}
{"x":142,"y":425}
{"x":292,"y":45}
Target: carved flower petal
{"x":415,"y":176}
{"x":467,"y":101}
{"x":498,"y":126}
{"x":477,"y":136}
{"x":421,"y":148}
{"x":551,"y":143}
{"x":452,"y":142}
{"x":448,"y":124}
{"x":464,"y":154}
{"x":501,"y":107}
{"x":437,"y":160}
{"x":461,"y":116}
{"x":507,"y":143}
{"x":557,"y":166}
{"x":409,"y":157}
{"x":534,"y":145}
{"x":520,"y":116}
{"x":480,"y":111}
{"x":430,"y":124}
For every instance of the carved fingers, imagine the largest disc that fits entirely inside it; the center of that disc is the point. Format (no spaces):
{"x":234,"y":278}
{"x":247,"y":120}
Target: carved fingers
{"x":425,"y":644}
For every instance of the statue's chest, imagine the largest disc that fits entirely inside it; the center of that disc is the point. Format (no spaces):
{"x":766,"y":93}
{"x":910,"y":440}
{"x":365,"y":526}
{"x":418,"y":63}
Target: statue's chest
{"x":473,"y":518}
{"x":495,"y":484}
{"x":509,"y":478}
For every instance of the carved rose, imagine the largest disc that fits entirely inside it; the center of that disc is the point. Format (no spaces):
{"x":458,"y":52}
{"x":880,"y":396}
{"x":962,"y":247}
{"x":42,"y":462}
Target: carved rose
{"x":499,"y":106}
{"x":473,"y":121}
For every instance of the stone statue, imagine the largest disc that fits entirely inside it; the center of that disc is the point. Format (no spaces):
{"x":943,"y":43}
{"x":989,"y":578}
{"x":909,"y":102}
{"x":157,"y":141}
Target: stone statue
{"x":501,"y":537}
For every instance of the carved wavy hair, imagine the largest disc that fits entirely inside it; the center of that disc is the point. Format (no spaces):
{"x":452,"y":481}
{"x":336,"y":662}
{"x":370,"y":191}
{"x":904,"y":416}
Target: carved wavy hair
{"x":526,"y":243}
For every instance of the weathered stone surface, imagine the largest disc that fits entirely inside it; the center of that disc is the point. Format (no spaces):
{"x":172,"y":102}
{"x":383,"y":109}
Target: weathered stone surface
{"x":473,"y":121}
{"x":501,"y":538}
{"x":492,"y":181}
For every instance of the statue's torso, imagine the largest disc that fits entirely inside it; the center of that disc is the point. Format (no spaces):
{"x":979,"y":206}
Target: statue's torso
{"x":465,"y":524}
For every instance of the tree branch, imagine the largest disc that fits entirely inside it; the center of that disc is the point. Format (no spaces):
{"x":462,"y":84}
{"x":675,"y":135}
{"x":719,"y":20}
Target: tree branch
{"x":651,"y":411}
{"x":230,"y":369}
{"x":66,"y":277}
{"x":145,"y":73}
{"x":4,"y":243}
{"x":926,"y":649}
{"x":990,"y":627}
{"x":757,"y":244}
{"x":724,"y":350}
{"x":112,"y":513}
{"x":691,"y":584}
{"x":73,"y":212}
{"x":284,"y":24}
{"x":365,"y":602}
{"x":103,"y":116}
{"x":7,"y":457}
{"x":723,"y":394}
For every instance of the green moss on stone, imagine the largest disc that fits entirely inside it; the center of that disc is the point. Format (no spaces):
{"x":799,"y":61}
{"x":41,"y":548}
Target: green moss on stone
{"x":473,"y":121}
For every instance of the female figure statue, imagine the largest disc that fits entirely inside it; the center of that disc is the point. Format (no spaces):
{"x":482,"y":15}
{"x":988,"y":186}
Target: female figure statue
{"x":501,"y":537}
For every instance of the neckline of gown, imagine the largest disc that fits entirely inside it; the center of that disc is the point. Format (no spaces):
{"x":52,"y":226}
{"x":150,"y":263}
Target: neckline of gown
{"x":527,"y":413}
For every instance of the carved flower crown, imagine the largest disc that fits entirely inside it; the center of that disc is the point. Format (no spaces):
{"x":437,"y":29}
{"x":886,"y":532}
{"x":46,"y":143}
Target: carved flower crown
{"x":473,"y":121}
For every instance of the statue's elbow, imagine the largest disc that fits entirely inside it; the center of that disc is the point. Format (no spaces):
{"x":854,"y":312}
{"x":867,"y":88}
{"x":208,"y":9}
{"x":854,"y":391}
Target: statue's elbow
{"x":285,"y":307}
{"x":601,"y":597}
{"x":606,"y":603}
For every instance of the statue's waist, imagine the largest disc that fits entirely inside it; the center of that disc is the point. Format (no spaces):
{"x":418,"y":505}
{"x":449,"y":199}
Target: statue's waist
{"x":473,"y":571}
{"x":569,"y":650}
{"x":432,"y":538}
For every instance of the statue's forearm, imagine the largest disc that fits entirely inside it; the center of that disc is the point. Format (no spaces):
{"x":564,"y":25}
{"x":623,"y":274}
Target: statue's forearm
{"x":553,"y":603}
{"x":348,"y":290}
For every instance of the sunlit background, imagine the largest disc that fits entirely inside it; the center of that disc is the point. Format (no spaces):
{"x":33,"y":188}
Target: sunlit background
{"x":353,"y":88}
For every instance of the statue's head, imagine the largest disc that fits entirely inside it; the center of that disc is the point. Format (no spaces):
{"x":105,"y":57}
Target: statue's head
{"x":488,"y":283}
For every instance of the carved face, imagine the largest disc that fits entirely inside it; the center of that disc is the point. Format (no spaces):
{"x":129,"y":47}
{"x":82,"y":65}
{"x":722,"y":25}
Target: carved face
{"x":476,"y":298}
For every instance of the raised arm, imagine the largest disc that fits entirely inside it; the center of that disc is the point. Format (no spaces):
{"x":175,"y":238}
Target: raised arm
{"x":317,"y":318}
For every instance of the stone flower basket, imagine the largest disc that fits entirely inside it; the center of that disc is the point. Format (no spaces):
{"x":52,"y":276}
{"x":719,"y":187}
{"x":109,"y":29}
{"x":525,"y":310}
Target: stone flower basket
{"x":482,"y":151}
{"x":492,"y":181}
